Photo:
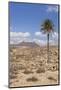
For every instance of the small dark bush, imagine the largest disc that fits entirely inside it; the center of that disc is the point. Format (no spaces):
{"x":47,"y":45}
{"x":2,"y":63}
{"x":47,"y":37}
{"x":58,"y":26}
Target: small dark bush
{"x":33,"y":79}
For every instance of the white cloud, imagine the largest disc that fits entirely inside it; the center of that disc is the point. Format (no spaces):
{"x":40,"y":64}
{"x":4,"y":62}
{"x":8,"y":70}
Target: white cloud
{"x":19,"y":34}
{"x":39,"y":38}
{"x":44,"y":42}
{"x":55,"y":35}
{"x":40,"y":34}
{"x":40,"y":42}
{"x":16,"y":37}
{"x":52,"y":9}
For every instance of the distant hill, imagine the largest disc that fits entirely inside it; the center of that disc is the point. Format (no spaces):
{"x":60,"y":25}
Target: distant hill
{"x":25,"y":44}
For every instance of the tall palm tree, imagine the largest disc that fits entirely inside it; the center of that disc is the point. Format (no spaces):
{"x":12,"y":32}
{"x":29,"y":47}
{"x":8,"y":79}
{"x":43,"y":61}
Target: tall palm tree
{"x":47,"y":27}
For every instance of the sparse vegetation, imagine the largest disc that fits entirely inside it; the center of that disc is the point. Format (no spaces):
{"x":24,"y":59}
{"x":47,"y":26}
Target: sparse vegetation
{"x":41,"y":70}
{"x":23,"y":64}
{"x":27,"y":72}
{"x":32,"y":79}
{"x":52,"y":78}
{"x":13,"y":76}
{"x":21,"y":67}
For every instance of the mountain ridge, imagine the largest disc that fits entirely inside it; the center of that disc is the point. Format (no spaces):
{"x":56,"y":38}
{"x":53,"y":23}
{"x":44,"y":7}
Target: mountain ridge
{"x":27,"y":44}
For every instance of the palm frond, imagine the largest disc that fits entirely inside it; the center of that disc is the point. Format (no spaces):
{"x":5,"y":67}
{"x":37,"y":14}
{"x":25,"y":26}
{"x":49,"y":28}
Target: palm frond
{"x":47,"y":26}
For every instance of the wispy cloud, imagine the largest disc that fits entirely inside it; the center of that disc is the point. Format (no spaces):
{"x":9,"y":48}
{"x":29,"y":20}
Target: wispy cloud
{"x":40,"y":42}
{"x":19,"y":34}
{"x":16,"y":37}
{"x":52,"y":9}
{"x":55,"y":35}
{"x":40,"y":34}
{"x":39,"y":38}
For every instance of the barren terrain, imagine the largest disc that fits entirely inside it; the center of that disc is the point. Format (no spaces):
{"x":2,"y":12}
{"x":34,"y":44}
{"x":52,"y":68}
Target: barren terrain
{"x":28,"y":66}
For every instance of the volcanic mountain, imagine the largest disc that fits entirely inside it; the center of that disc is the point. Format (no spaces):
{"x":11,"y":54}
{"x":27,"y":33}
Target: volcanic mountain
{"x":25,"y":44}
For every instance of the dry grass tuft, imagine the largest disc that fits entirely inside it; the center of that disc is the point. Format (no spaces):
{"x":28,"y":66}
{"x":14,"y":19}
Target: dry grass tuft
{"x":13,"y":76}
{"x":41,"y":70}
{"x":27,"y":72}
{"x":21,"y":67}
{"x":33,"y":79}
{"x":52,"y":78}
{"x":13,"y":72}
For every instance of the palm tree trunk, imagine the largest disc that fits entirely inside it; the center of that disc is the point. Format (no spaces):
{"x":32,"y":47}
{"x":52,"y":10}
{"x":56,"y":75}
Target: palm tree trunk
{"x":48,"y":48}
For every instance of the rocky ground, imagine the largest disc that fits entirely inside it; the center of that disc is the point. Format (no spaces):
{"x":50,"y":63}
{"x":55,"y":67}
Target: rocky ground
{"x":28,"y":66}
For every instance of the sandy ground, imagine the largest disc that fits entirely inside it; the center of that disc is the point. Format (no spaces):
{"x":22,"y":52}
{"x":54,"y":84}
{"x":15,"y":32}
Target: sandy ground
{"x":29,"y":67}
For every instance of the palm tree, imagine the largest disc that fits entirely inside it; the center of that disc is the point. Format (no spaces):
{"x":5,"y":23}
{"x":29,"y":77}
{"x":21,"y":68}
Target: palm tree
{"x":47,"y":27}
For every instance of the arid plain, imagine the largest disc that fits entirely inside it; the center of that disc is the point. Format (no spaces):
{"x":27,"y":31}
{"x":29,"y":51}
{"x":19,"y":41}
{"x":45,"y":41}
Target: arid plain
{"x":28,"y":66}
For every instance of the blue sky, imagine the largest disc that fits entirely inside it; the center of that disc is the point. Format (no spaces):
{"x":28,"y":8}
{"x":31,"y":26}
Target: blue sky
{"x":27,"y":19}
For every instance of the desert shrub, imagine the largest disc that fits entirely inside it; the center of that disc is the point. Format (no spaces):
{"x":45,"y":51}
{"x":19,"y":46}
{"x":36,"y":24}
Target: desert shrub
{"x":27,"y":72}
{"x":12,"y":76}
{"x":52,"y":78}
{"x":55,"y":53}
{"x":17,"y":56}
{"x":41,"y":70}
{"x":33,"y":79}
{"x":10,"y":83}
{"x":21,"y":67}
{"x":13,"y":69}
